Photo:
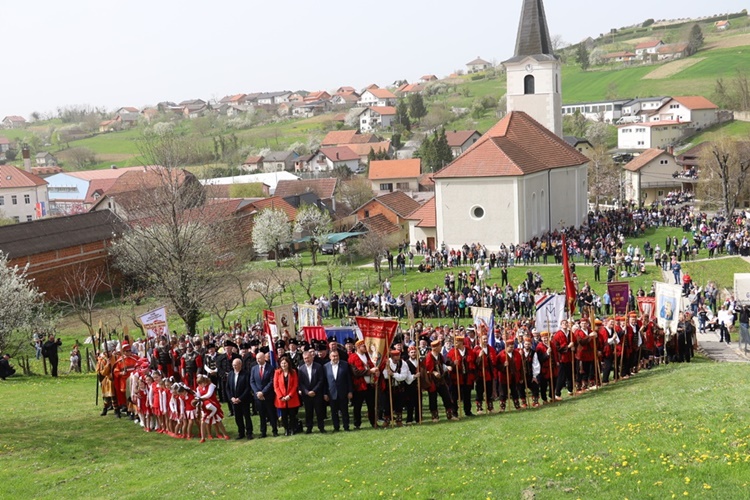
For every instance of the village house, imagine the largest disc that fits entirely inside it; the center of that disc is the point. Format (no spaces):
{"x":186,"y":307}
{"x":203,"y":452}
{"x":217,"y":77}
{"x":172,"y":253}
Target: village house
{"x":606,"y":111}
{"x":328,"y":159}
{"x":387,"y":176}
{"x":377,"y":97}
{"x":323,"y":188}
{"x":648,"y":48}
{"x":672,"y":51}
{"x":461,"y":140}
{"x":722,"y":25}
{"x":647,"y":135}
{"x":319,"y":95}
{"x":387,"y":212}
{"x":428,"y":78}
{"x":345,"y":99}
{"x":422,"y":224}
{"x":363,"y":149}
{"x":583,"y":146}
{"x":377,"y":117}
{"x":622,"y":56}
{"x":253,"y":163}
{"x":651,"y":175}
{"x":45,"y":159}
{"x":277,"y":161}
{"x":14,"y":121}
{"x":4,"y":145}
{"x":697,"y":110}
{"x":273,"y":98}
{"x":477,"y":65}
{"x":127,"y":116}
{"x":23,"y":195}
{"x":640,"y":108}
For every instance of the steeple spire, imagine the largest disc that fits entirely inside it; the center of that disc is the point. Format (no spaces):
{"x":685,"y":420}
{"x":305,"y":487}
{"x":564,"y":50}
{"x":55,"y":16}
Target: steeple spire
{"x":533,"y":35}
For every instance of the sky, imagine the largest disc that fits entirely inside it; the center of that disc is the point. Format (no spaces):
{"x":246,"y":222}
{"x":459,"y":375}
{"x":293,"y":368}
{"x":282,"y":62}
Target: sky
{"x":118,"y":53}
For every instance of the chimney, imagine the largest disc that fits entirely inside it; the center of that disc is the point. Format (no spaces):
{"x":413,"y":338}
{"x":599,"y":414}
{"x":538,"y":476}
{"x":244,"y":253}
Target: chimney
{"x":337,"y":155}
{"x":26,"y":154}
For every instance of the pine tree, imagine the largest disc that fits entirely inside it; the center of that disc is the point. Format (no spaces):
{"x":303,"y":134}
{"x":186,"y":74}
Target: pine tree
{"x":443,"y":153}
{"x":583,"y":56}
{"x":402,"y":113}
{"x":417,"y":109}
{"x":695,"y":42}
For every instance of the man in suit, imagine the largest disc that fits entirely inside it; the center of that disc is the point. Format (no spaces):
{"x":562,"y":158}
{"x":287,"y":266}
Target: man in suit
{"x":49,"y":350}
{"x":261,"y":381}
{"x":312,"y":386}
{"x":339,"y":389}
{"x":240,"y":395}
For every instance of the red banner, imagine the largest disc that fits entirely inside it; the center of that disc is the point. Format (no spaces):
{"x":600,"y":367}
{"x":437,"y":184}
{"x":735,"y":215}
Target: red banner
{"x":269,"y":324}
{"x":314,"y":333}
{"x":647,"y":306}
{"x":378,"y":335}
{"x":570,"y":289}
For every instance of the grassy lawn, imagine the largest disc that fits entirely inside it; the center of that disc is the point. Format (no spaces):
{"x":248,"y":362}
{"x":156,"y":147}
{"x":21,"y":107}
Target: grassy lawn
{"x":675,"y":431}
{"x":731,"y":129}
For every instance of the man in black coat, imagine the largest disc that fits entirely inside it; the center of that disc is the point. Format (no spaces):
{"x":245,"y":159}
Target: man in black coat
{"x":240,"y":395}
{"x":338,"y":389}
{"x":5,"y":369}
{"x":49,"y":350}
{"x":312,"y":386}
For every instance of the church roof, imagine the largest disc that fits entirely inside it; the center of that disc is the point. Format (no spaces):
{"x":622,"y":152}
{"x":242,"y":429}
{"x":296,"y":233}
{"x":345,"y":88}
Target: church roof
{"x":516,"y":145}
{"x":533,"y":34}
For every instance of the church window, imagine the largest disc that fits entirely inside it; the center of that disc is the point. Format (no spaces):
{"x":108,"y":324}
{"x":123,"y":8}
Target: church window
{"x":477,"y":212}
{"x":528,"y":84}
{"x":557,"y":84}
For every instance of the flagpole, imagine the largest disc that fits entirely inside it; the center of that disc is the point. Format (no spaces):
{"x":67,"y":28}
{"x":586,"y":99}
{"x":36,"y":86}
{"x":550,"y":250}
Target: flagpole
{"x":597,"y":368}
{"x":549,"y":358}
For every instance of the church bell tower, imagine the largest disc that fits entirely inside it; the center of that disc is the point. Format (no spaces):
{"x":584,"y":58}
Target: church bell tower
{"x":534,"y":72}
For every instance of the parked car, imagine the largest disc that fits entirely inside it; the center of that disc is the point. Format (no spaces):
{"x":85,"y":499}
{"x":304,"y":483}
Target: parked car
{"x":329,"y":248}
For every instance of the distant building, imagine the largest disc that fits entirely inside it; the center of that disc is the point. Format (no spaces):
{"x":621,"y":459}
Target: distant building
{"x":477,"y":65}
{"x":23,"y":195}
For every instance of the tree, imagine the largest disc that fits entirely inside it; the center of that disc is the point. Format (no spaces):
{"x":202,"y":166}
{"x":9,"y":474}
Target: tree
{"x":373,"y":246}
{"x":402,"y":114}
{"x":271,"y":232}
{"x":307,"y":280}
{"x":80,"y":287}
{"x":21,"y":309}
{"x":172,"y":247}
{"x":317,"y":224}
{"x":575,"y":124}
{"x":355,"y":192}
{"x":582,"y":56}
{"x":417,"y":109}
{"x":695,"y":39}
{"x":603,"y":176}
{"x":269,"y":284}
{"x":558,"y":42}
{"x":443,"y":152}
{"x":81,"y":158}
{"x":726,"y":165}
{"x":600,"y":134}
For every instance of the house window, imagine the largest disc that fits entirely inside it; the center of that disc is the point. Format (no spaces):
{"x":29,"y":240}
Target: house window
{"x":16,"y":219}
{"x":26,"y":199}
{"x":660,"y":193}
{"x":403,"y":186}
{"x":29,"y":218}
{"x":663,"y":162}
{"x":367,"y":214}
{"x":528,"y":84}
{"x":641,"y":143}
{"x":386,"y":187}
{"x":477,"y":212}
{"x":14,"y":200}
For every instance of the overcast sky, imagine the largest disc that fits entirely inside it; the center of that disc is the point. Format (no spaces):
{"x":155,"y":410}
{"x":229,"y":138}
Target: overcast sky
{"x":116,"y":53}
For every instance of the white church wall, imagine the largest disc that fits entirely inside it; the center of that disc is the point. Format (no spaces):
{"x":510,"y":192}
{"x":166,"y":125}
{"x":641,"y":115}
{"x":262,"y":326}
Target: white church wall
{"x":568,"y":196}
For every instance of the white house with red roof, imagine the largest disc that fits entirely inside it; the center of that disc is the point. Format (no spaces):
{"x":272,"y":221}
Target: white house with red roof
{"x":697,"y":110}
{"x":376,"y":117}
{"x":461,"y":140}
{"x":648,"y":47}
{"x":651,"y":176}
{"x":23,"y":195}
{"x":328,"y":159}
{"x":14,"y":121}
{"x":377,"y":97}
{"x":387,"y":176}
{"x":423,"y":226}
{"x":659,"y":134}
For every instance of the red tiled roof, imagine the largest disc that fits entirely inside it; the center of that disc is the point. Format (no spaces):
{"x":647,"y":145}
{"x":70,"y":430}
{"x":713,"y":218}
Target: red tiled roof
{"x":426,"y":181}
{"x":105,"y":173}
{"x":648,"y":44}
{"x":426,"y":214}
{"x":336,"y":137}
{"x":364,"y":149}
{"x":13,"y":177}
{"x":695,"y":102}
{"x":399,"y":202}
{"x":15,"y":118}
{"x":252,"y":160}
{"x":614,"y":55}
{"x":382,"y":93}
{"x":516,"y":145}
{"x":363,"y":139}
{"x":276,"y":202}
{"x":100,"y":185}
{"x":673,"y":48}
{"x":339,"y":153}
{"x":394,"y":169}
{"x":380,"y":225}
{"x":323,"y":188}
{"x":4,"y":140}
{"x":644,"y":159}
{"x":384,"y":110}
{"x":459,"y":137}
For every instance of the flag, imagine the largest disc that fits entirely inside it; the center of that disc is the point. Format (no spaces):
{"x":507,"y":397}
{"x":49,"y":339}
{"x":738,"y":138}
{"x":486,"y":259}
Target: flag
{"x":269,"y":324}
{"x":285,"y":318}
{"x":271,"y":352}
{"x":619,"y":295}
{"x":314,"y":333}
{"x":570,"y":289}
{"x":307,"y":315}
{"x":550,"y":310}
{"x":668,"y":305}
{"x":647,"y":306}
{"x":378,"y":335}
{"x":485,"y":316}
{"x":155,"y":323}
{"x":491,"y":337}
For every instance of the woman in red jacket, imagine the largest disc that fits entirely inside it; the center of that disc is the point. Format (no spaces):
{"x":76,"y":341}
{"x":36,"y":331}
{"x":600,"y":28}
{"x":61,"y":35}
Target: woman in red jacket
{"x":286,"y":386}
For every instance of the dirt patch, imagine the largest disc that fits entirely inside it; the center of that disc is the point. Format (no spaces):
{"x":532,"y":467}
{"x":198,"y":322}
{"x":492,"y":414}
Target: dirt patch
{"x":730,"y":41}
{"x":672,"y":68}
{"x":113,"y":156}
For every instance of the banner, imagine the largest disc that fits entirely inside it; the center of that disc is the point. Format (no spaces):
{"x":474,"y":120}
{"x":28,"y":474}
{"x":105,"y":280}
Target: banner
{"x":341,"y":333}
{"x":570,"y":289}
{"x":285,"y":318}
{"x":409,"y":308}
{"x":742,"y":288}
{"x":550,"y":311}
{"x":269,"y":324}
{"x":486,"y":316}
{"x":307,"y":315}
{"x":378,"y":335}
{"x":619,"y":294}
{"x":155,"y":323}
{"x":314,"y":333}
{"x":668,"y":305}
{"x":647,"y":307}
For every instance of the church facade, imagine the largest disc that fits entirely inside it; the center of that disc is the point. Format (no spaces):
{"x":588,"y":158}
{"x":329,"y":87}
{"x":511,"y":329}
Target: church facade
{"x":521,"y":179}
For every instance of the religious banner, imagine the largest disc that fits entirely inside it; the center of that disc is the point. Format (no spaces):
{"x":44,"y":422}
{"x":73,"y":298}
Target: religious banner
{"x":619,"y":294}
{"x":647,"y":307}
{"x":314,"y":333}
{"x":550,"y":311}
{"x":307,"y":315}
{"x":668,"y":305}
{"x":155,"y":323}
{"x":570,"y":287}
{"x":742,"y":288}
{"x":269,"y":324}
{"x":378,"y":335}
{"x":485,"y":316}
{"x":285,"y":318}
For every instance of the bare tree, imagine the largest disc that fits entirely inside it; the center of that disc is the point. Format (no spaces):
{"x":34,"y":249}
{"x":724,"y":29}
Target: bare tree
{"x":726,"y":164}
{"x":80,"y":288}
{"x":224,"y":301}
{"x":373,"y":246}
{"x":305,"y":278}
{"x":269,"y":284}
{"x":336,"y":271}
{"x":558,"y":42}
{"x":355,"y":192}
{"x":603,"y":176}
{"x":80,"y":158}
{"x":173,"y":244}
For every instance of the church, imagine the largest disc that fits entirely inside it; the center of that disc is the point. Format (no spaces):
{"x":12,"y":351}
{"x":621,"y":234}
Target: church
{"x":520,"y":179}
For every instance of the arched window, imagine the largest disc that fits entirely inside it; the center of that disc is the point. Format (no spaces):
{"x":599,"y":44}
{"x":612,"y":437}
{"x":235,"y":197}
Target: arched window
{"x":534,"y":216}
{"x":528,"y":84}
{"x":543,"y":211}
{"x":557,"y":83}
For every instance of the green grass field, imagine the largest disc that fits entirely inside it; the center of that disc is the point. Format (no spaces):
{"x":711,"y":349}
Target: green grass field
{"x":672,"y":432}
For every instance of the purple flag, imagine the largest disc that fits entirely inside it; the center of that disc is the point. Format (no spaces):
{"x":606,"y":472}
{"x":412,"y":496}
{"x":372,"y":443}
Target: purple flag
{"x":619,"y":294}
